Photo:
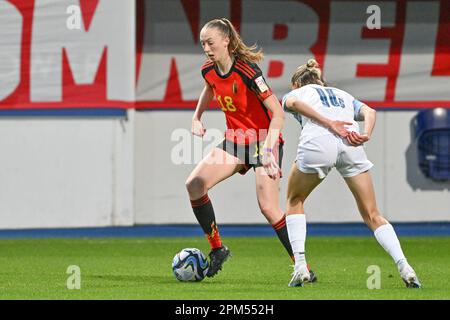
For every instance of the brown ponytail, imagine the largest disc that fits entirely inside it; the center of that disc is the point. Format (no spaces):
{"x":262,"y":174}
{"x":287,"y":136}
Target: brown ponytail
{"x":236,"y":47}
{"x":308,"y":73}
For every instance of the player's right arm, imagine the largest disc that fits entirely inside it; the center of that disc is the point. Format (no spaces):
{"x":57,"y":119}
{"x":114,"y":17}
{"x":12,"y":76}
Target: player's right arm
{"x":336,"y":126}
{"x":203,"y":102}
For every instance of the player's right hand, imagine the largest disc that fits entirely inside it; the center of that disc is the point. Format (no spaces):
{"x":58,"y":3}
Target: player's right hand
{"x":197,"y":128}
{"x":338,"y":127}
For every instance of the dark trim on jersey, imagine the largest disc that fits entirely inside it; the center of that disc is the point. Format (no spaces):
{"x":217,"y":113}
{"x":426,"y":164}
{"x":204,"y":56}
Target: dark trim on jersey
{"x":216,"y":69}
{"x":248,"y":68}
{"x":207,"y":63}
{"x":206,"y":69}
{"x":245,"y":78}
{"x":244,"y":71}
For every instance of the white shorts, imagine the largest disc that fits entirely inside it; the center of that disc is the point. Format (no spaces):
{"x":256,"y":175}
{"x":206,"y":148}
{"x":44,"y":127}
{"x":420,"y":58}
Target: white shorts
{"x":321,"y":154}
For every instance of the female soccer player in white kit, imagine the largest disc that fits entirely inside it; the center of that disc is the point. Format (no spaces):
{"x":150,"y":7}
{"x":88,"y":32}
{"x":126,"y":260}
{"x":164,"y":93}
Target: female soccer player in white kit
{"x":322,"y":147}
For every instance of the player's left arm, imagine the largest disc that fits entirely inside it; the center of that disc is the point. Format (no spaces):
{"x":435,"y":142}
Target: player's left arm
{"x":369,"y":116}
{"x":277,"y":121}
{"x":276,"y":124}
{"x":259,"y":86}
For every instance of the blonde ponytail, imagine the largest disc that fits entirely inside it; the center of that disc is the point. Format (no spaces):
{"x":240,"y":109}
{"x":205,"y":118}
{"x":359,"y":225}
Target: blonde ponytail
{"x":312,"y":63}
{"x":308,"y":73}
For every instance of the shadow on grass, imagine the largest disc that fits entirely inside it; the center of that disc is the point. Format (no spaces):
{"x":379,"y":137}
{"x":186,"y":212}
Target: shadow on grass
{"x":142,"y":279}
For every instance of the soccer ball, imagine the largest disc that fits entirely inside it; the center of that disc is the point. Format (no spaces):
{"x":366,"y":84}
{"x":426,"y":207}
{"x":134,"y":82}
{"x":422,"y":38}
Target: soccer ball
{"x":190,"y":264}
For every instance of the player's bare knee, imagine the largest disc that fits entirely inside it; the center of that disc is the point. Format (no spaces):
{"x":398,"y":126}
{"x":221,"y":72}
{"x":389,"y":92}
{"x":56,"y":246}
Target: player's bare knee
{"x":196,"y":185}
{"x":379,"y":220}
{"x":271,"y":212}
{"x":373,"y":215}
{"x":294,"y":201}
{"x":266,"y":208}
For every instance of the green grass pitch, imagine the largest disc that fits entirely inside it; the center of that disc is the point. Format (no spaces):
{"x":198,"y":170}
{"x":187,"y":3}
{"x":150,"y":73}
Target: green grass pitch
{"x":140,"y":268}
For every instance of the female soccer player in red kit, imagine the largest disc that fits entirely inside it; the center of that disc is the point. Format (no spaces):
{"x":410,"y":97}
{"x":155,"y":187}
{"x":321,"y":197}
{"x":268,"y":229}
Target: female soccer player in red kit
{"x":254,"y":120}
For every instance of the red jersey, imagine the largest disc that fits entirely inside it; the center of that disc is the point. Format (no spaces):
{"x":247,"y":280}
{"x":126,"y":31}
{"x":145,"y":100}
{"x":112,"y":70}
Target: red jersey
{"x":240,"y":94}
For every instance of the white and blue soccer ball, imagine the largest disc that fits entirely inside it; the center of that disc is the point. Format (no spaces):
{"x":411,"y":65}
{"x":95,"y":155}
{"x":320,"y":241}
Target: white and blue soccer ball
{"x":190,"y":264}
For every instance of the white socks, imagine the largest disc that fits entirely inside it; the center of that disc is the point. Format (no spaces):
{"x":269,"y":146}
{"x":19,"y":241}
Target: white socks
{"x":387,"y":238}
{"x":385,"y":235}
{"x":296,"y":226}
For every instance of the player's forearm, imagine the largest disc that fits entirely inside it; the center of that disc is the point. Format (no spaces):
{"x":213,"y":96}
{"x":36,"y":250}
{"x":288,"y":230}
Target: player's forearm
{"x":307,"y":111}
{"x":370,"y":117}
{"x":203,"y":102}
{"x":276,"y":123}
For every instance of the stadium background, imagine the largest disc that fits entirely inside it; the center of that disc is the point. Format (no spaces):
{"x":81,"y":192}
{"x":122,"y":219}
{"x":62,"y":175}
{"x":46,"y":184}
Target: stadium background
{"x":91,"y":120}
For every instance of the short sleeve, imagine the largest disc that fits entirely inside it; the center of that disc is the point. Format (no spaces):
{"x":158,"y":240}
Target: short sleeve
{"x":261,"y":88}
{"x":294,"y":94}
{"x":283,"y":101}
{"x":357,"y":107}
{"x":259,"y":85}
{"x":206,"y":67}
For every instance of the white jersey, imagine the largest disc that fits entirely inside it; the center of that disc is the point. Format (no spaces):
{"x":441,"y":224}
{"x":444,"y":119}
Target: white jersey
{"x":330,"y":102}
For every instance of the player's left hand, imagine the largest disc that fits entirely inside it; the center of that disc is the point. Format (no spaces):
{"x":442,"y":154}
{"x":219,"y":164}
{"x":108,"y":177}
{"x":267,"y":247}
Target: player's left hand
{"x":270,"y":165}
{"x":356,"y":139}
